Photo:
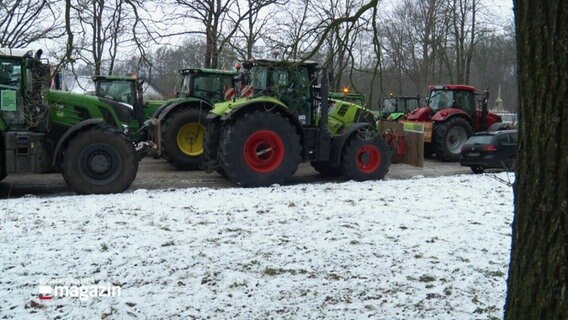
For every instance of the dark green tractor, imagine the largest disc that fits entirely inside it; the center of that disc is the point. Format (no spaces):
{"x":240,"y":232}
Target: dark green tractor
{"x":260,"y":140}
{"x":395,"y":107}
{"x":176,"y":127}
{"x":44,"y":130}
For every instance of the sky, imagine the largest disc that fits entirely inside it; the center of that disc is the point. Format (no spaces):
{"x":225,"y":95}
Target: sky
{"x":422,"y":248}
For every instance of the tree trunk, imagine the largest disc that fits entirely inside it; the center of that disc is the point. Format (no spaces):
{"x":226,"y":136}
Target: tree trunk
{"x":538,"y":273}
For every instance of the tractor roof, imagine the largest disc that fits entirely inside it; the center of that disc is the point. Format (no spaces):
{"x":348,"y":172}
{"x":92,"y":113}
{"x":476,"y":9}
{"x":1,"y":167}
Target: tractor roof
{"x":185,"y":71}
{"x":269,"y":62}
{"x":127,"y":78}
{"x":453,"y":87}
{"x":15,"y":52}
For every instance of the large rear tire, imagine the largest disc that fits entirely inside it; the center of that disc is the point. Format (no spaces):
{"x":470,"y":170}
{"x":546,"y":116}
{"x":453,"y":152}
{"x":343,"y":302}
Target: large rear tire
{"x":99,"y":161}
{"x":449,"y":137}
{"x":183,"y":135}
{"x":365,"y":159}
{"x":260,"y":149}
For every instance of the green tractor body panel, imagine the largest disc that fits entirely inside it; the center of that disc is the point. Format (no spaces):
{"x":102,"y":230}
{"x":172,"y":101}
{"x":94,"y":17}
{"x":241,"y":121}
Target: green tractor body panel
{"x":343,"y":114}
{"x":67,"y":109}
{"x":227,"y":108}
{"x":151,"y":106}
{"x":356,"y":98}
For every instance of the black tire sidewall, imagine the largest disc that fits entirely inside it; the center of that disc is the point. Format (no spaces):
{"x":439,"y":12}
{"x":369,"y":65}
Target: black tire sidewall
{"x":440,"y":133}
{"x":234,"y":137}
{"x":110,"y":141}
{"x":172,"y":124}
{"x":325,"y":169}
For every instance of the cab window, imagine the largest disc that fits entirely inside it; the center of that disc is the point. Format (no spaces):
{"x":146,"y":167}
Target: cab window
{"x":10,"y":93}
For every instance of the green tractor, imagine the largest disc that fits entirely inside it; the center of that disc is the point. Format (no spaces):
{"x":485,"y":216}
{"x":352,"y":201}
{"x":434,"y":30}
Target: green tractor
{"x":176,"y":126}
{"x":260,"y":140}
{"x":83,"y":137}
{"x":347,"y":95}
{"x":394,"y":107}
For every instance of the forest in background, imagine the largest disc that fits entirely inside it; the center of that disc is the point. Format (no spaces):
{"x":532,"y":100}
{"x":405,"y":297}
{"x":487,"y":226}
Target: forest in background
{"x":393,"y":48}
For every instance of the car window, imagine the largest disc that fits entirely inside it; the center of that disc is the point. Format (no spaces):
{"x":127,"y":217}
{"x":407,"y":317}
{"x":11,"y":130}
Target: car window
{"x":513,"y":138}
{"x":503,"y":139}
{"x":480,"y":139}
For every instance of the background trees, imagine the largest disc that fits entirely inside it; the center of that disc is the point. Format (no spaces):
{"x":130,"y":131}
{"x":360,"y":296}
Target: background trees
{"x":400,"y":48}
{"x":23,"y":22}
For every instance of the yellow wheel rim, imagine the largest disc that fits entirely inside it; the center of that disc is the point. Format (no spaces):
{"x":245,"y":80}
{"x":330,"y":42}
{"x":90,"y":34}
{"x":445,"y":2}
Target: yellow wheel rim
{"x":190,"y":139}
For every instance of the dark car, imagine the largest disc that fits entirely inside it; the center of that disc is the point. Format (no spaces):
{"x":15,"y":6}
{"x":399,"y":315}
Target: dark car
{"x":492,"y":149}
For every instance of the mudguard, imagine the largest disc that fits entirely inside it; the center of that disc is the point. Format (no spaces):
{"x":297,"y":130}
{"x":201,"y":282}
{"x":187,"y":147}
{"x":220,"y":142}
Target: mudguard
{"x":161,"y":114}
{"x":339,"y":141}
{"x":444,"y":114}
{"x":71,"y":132}
{"x":420,"y":114}
{"x":238,"y":107}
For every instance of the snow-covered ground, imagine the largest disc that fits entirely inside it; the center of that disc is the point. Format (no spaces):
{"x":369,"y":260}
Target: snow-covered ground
{"x":401,"y":249}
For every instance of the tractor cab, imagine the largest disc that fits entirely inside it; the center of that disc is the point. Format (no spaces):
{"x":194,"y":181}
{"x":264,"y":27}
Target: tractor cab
{"x":289,"y":82}
{"x":458,"y":97}
{"x":207,"y":84}
{"x":125,"y":90}
{"x":120,"y":89}
{"x":23,"y":78}
{"x":395,"y":107}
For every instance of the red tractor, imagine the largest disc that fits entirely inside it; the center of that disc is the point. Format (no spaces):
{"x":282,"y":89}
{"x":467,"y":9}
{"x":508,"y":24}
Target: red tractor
{"x":451,"y":117}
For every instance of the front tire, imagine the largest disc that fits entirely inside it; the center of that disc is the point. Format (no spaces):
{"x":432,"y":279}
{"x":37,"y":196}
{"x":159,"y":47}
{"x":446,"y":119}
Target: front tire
{"x":449,"y":137}
{"x":477,"y":169}
{"x":365,"y":159}
{"x":183,"y":135}
{"x":260,"y":149}
{"x":99,"y":161}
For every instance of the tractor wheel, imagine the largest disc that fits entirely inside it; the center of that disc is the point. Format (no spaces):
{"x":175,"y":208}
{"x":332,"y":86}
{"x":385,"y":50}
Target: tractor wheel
{"x":260,"y":149}
{"x":99,"y":161}
{"x":449,"y":137}
{"x":477,"y":169}
{"x":364,"y":159}
{"x":182,"y":138}
{"x":325,"y":170}
{"x":211,"y":144}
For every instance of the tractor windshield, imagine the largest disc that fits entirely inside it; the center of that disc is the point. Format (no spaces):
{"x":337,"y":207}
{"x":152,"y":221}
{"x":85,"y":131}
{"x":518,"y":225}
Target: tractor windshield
{"x":209,"y":87}
{"x":389,"y":105}
{"x":440,"y":99}
{"x":117,"y":90}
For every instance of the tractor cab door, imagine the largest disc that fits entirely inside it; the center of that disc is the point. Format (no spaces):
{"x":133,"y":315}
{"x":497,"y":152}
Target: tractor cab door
{"x":293,"y":88}
{"x":124,"y":91}
{"x":465,"y":100}
{"x":11,"y":100}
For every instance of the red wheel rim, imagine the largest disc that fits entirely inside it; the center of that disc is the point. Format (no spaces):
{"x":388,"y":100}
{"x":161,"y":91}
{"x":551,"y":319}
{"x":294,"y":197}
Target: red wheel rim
{"x":264,"y":151}
{"x":368,"y":159}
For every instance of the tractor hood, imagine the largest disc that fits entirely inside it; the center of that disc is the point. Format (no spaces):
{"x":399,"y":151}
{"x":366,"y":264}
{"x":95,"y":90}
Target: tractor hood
{"x":420,"y":114}
{"x":226,"y":107}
